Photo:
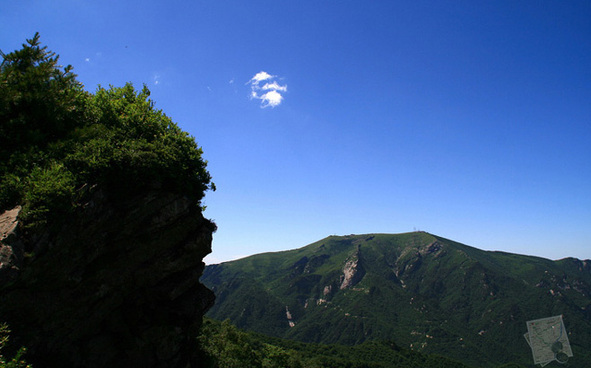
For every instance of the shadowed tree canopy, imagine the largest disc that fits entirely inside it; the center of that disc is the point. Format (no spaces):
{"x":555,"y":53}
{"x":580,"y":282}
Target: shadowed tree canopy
{"x":40,"y":102}
{"x":56,"y":138}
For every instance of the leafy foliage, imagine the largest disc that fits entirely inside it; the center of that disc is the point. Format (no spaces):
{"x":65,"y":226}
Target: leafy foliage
{"x":39,"y":101}
{"x":56,"y":138}
{"x":227,"y":346}
{"x":15,"y":362}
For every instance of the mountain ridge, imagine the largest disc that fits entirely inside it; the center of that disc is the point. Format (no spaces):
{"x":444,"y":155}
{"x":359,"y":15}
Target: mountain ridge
{"x":424,"y":291}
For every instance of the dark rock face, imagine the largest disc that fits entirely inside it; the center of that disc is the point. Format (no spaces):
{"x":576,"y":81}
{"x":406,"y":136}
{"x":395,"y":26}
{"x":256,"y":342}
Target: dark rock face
{"x":11,"y":249}
{"x":117,"y":285}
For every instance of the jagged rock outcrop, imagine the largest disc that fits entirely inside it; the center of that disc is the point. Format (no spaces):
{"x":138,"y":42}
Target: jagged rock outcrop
{"x":114,"y":285}
{"x":353,"y":272}
{"x":11,"y":256}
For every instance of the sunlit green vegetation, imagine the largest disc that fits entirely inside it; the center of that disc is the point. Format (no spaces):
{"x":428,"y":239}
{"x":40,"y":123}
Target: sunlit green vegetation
{"x":225,"y":346}
{"x":424,"y":292}
{"x":57,"y":139}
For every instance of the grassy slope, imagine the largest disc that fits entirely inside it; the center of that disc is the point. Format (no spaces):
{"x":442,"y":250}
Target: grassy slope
{"x":422,"y":291}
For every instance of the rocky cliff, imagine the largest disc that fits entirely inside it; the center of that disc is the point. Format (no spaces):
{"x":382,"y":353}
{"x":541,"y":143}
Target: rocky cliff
{"x":114,"y":284}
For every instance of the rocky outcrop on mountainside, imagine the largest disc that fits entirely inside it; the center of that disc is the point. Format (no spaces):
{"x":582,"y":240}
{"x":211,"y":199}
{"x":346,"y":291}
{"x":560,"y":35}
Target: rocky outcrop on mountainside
{"x":353,"y":272}
{"x":116,"y":284}
{"x":11,"y":253}
{"x":420,"y":290}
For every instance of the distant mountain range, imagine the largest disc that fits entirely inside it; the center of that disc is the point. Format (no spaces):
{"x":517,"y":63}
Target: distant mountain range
{"x":419,"y":290}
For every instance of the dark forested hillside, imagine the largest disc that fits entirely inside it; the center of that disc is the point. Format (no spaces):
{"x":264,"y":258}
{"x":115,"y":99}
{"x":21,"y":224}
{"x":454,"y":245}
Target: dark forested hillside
{"x":422,"y":291}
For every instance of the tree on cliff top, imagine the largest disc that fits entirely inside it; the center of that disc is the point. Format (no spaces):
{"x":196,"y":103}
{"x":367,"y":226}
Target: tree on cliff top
{"x":55,"y":138}
{"x":39,"y":102}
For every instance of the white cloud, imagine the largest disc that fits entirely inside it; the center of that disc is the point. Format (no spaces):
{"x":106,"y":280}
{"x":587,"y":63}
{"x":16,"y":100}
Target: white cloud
{"x":272,"y":98}
{"x":275,"y":87}
{"x":270,"y":94}
{"x":259,"y":77}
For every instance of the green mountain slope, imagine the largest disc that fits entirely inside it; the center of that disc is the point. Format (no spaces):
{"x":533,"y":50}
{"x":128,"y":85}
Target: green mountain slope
{"x":422,"y":291}
{"x":225,"y":346}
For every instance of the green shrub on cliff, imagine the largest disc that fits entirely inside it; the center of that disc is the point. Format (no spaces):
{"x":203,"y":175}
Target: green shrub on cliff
{"x":55,"y":138}
{"x":15,"y":362}
{"x":228,"y":347}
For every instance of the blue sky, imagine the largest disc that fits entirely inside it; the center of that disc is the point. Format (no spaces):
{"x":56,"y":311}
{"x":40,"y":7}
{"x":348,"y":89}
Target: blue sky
{"x":469,"y":120}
